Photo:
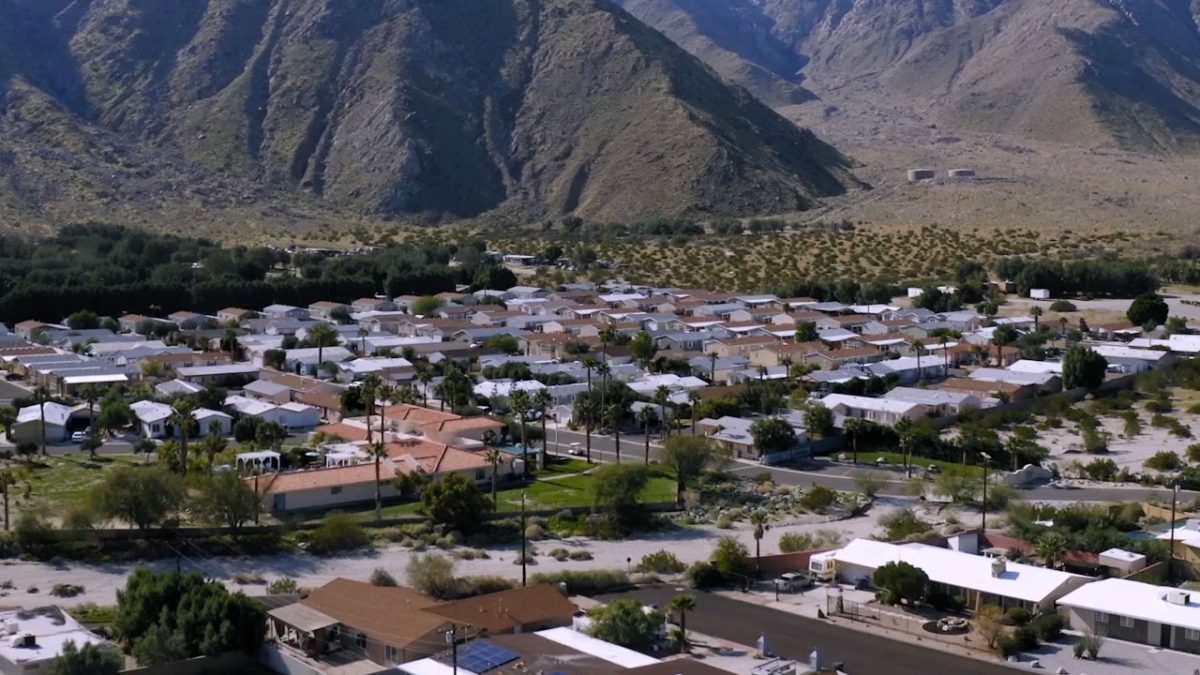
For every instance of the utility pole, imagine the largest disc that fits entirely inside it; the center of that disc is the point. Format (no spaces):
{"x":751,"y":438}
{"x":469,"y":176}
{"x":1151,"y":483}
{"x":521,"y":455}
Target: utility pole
{"x":524,"y":550}
{"x":1171,"y":550}
{"x":983,"y":507}
{"x":452,"y":639}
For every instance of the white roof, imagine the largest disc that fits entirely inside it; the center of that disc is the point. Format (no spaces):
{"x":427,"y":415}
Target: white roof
{"x":106,"y":378}
{"x":205,"y":413}
{"x":1123,"y":352}
{"x":293,"y":406}
{"x":1022,"y":582}
{"x":1122,"y":554}
{"x":1027,"y":366}
{"x":932,"y":396}
{"x":371,"y":365}
{"x":1135,"y":599}
{"x":625,"y":658}
{"x":265,"y":388}
{"x":837,"y":335}
{"x":171,"y":387}
{"x":52,"y":628}
{"x":1010,"y":376}
{"x":216,"y":371}
{"x":150,"y":411}
{"x":622,"y":297}
{"x":649,"y":384}
{"x":248,"y":406}
{"x":502,"y":388}
{"x":1184,"y":343}
{"x":56,"y":413}
{"x":431,"y":667}
{"x":868,"y":403}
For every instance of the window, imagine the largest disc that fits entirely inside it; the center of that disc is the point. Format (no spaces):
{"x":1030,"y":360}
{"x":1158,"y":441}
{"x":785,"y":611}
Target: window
{"x":360,"y":641}
{"x":480,"y":474}
{"x":1101,"y":617}
{"x":335,"y":490}
{"x":1191,"y":635}
{"x":392,"y":655}
{"x":1127,"y":622}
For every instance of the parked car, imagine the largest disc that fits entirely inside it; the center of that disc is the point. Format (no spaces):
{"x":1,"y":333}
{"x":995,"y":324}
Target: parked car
{"x":78,"y":436}
{"x":794,"y":581}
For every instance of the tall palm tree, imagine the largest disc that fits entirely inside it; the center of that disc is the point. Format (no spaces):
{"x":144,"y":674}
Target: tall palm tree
{"x":493,"y":457}
{"x":181,"y":419}
{"x":1051,"y":548}
{"x":647,"y":416}
{"x":607,"y":334}
{"x":681,"y":605}
{"x":362,"y":339}
{"x":945,"y":339}
{"x":520,"y":403}
{"x":542,"y":402}
{"x":378,"y":452}
{"x":90,"y":394}
{"x":587,"y":411}
{"x":694,"y":400}
{"x":603,"y":370}
{"x":662,"y":398}
{"x":1036,"y":313}
{"x":42,"y":393}
{"x":759,"y":520}
{"x":613,"y":415}
{"x":229,"y":342}
{"x":712,"y":368}
{"x":853,"y":427}
{"x":425,"y":378}
{"x":370,"y":393}
{"x":321,"y":336}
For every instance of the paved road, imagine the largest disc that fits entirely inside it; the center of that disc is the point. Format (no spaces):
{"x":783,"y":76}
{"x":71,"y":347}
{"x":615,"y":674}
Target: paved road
{"x":841,"y":476}
{"x":794,"y":637}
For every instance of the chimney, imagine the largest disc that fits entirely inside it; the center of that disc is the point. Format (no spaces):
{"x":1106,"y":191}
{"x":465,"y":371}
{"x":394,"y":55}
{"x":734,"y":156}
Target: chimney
{"x":998,"y":567}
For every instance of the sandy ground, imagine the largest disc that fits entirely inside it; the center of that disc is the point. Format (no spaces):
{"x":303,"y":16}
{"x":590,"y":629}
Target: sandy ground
{"x":690,"y":544}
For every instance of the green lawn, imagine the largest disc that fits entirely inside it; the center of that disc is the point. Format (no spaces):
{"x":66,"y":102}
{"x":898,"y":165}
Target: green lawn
{"x":564,"y":466}
{"x":895,"y":458}
{"x":59,"y":482}
{"x":558,"y":490}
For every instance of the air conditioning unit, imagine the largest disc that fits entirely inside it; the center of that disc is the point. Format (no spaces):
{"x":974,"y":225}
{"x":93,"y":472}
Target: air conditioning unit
{"x":1176,"y":597}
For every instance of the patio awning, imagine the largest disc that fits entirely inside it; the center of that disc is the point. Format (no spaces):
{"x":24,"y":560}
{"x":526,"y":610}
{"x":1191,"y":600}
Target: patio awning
{"x":302,"y":617}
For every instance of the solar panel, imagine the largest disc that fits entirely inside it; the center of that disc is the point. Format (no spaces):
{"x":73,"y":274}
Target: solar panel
{"x":480,"y":656}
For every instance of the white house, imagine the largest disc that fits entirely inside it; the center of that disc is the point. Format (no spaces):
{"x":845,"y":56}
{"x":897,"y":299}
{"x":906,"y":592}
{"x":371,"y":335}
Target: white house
{"x":878,"y":410}
{"x":299,"y":416}
{"x":941,"y":402}
{"x":1133,"y":360}
{"x":28,"y":427}
{"x":981,"y":580}
{"x":35,"y":639}
{"x":152,"y":418}
{"x":208,"y":419}
{"x":1159,"y":616}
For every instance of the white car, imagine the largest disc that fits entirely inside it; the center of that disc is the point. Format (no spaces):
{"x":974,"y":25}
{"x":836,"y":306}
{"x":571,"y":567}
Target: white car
{"x":575,"y":450}
{"x":78,"y":436}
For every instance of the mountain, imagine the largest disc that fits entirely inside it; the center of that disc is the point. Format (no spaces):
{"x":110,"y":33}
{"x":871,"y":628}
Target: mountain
{"x":525,"y":108}
{"x":1122,"y":73}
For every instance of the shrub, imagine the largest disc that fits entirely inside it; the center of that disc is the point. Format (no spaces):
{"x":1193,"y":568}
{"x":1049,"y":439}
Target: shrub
{"x":535,"y":532}
{"x":560,"y":554}
{"x":1026,"y":637}
{"x":702,"y":575}
{"x":943,"y":601}
{"x":66,"y":590}
{"x":731,"y":557}
{"x":1006,"y":646}
{"x":725,"y":522}
{"x":661,"y":562}
{"x":433,"y":575}
{"x":1062,"y":306}
{"x":1048,"y":627}
{"x":901,"y":581}
{"x":381,"y":577}
{"x":792,"y":542}
{"x":282,"y":586}
{"x":818,"y":499}
{"x":338,"y":532}
{"x":1018,"y":616}
{"x":482,"y":585}
{"x":580,"y":555}
{"x":584,"y":582}
{"x":249,"y":578}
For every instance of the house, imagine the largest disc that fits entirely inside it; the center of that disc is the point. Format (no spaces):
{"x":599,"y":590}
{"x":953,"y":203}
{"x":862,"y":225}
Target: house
{"x":177,"y":388}
{"x":298,"y":416}
{"x":217,"y":374}
{"x":1045,"y":382}
{"x":209,"y":421}
{"x":28,"y":427}
{"x":37,"y":637}
{"x":280,"y":311}
{"x":187,"y":320}
{"x":994,"y":390}
{"x":733,"y":434}
{"x":373,"y":305}
{"x":234,"y":315}
{"x":940,"y":402}
{"x":130,"y":322}
{"x":270,"y":392}
{"x":909,"y":369}
{"x":878,"y":410}
{"x":739,"y":346}
{"x":324,"y":310}
{"x":1159,"y":616}
{"x":1132,"y":360}
{"x":152,"y":418}
{"x":977,"y":579}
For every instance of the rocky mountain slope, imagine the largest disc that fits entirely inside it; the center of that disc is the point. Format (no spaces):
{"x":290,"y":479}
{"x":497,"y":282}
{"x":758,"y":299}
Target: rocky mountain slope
{"x":1090,"y":72}
{"x":529,"y":108}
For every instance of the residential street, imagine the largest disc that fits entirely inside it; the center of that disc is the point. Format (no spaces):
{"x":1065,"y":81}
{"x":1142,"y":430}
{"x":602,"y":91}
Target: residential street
{"x":794,"y":637}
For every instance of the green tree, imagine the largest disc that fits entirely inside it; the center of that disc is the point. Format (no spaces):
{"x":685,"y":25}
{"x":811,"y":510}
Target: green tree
{"x":759,"y":520}
{"x":806,"y":331}
{"x":1146,"y":308}
{"x":142,"y":497}
{"x":1083,"y":367}
{"x":455,"y":501}
{"x":227,"y":500}
{"x":730,"y":557}
{"x":8,"y":417}
{"x":901,"y":582}
{"x":772,"y":435}
{"x":90,"y":660}
{"x":618,"y":492}
{"x":493,"y":457}
{"x":1051,"y":548}
{"x":184,"y":423}
{"x":520,"y":402}
{"x":379,"y":452}
{"x":1164,"y":460}
{"x":643,"y":347}
{"x":505,"y":343}
{"x":321,"y":336}
{"x":84,"y":319}
{"x":426,"y":305}
{"x":624,"y":622}
{"x":689,"y":457}
{"x":854,"y":428}
{"x":1002,"y":337}
{"x":647,"y":416}
{"x":818,"y":420}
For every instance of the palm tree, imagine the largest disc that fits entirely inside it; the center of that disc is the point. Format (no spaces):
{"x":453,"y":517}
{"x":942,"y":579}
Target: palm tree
{"x":1051,"y":548}
{"x":520,"y":403}
{"x":587,"y":411}
{"x":42,"y":393}
{"x":90,"y":394}
{"x":425,"y":377}
{"x":681,"y":605}
{"x":370,"y":391}
{"x":612,"y":416}
{"x":662,"y":398}
{"x":8,"y":417}
{"x":647,"y":416}
{"x":1036,"y":313}
{"x":363,"y":332}
{"x":903,"y":430}
{"x":321,"y":336}
{"x":945,"y":339}
{"x":603,"y":370}
{"x":607,"y":334}
{"x":181,"y":419}
{"x":853,"y":427}
{"x":694,"y":400}
{"x":759,"y":520}
{"x":712,"y":368}
{"x":229,"y":342}
{"x":542,"y":402}
{"x":493,"y":457}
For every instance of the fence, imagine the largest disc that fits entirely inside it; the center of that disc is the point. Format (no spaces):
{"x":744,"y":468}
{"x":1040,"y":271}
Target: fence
{"x":891,"y":619}
{"x":219,"y":664}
